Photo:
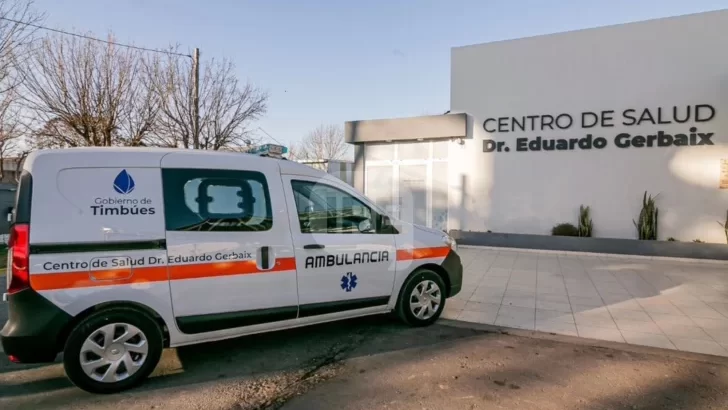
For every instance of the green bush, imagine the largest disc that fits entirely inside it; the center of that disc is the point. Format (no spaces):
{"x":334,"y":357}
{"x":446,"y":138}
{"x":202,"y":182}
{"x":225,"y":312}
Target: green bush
{"x":671,"y":239}
{"x":585,"y":222}
{"x":646,"y":224}
{"x":565,"y":229}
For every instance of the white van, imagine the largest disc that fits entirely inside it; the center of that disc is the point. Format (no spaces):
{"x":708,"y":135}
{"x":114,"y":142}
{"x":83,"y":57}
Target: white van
{"x":116,"y":253}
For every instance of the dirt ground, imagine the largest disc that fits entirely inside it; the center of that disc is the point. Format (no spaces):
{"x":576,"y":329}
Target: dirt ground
{"x":498,"y":371}
{"x":377,"y":363}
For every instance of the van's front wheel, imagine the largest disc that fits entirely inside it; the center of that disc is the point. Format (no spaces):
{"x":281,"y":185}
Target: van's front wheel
{"x":112,"y":350}
{"x":422,"y":298}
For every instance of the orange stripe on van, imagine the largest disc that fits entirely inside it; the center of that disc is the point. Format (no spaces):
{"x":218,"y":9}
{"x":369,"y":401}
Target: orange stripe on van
{"x":210,"y":270}
{"x":422,"y":253}
{"x":87,"y":279}
{"x":69,"y":280}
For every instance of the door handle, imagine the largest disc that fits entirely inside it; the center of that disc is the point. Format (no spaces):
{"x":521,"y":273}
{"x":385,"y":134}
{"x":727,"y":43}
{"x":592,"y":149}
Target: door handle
{"x":313,"y":246}
{"x":264,"y":258}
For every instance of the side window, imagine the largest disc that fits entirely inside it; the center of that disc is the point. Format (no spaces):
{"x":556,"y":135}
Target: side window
{"x":216,"y":200}
{"x":325,"y":209}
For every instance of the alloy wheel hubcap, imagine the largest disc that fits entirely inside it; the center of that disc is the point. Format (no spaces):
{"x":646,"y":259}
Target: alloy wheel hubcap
{"x":114,"y":352}
{"x":425,"y":299}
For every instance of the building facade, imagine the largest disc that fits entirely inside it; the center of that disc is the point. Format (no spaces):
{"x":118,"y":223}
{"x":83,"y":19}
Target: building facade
{"x":539,"y":126}
{"x":344,"y":170}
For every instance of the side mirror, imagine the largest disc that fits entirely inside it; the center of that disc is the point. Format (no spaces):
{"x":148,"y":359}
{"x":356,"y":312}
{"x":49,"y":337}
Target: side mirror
{"x":365,"y":226}
{"x":385,"y":225}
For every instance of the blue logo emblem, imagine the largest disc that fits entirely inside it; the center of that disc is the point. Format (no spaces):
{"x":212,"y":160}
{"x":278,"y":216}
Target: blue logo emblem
{"x":124,"y":183}
{"x":348,"y":281}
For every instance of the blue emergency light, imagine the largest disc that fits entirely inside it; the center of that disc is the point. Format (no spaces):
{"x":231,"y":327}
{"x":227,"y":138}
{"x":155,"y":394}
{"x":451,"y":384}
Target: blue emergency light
{"x":270,"y":150}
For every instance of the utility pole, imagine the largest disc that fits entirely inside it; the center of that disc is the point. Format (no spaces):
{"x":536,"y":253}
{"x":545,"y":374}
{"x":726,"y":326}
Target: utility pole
{"x":196,"y":99}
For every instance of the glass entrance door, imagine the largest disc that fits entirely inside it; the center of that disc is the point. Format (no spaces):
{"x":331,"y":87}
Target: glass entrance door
{"x":412,"y":188}
{"x":409,"y":181}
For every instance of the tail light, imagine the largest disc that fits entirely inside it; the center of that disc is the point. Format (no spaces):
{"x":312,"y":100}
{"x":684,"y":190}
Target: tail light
{"x":19,"y":245}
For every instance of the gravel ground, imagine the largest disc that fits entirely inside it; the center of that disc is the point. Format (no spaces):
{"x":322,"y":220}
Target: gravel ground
{"x":255,"y":372}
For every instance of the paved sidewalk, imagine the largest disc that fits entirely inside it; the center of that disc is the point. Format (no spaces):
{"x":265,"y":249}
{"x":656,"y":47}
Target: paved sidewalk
{"x":663,"y":303}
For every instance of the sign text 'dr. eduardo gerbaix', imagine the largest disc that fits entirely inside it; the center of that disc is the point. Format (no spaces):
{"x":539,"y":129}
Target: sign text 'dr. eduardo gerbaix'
{"x":691,"y":135}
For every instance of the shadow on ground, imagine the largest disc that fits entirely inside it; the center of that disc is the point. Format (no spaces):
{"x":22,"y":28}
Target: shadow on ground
{"x":303,"y":349}
{"x":501,"y":371}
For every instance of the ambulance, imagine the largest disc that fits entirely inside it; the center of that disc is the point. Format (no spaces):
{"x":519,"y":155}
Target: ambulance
{"x":118,"y":253}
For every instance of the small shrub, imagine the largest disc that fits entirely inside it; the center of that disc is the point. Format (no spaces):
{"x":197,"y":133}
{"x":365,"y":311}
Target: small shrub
{"x":585,"y":222}
{"x":565,"y":229}
{"x":646,"y":224}
{"x":698,"y":241}
{"x":671,"y":239}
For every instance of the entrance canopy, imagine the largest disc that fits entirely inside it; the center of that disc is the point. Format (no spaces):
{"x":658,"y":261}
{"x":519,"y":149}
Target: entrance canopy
{"x":406,"y":129}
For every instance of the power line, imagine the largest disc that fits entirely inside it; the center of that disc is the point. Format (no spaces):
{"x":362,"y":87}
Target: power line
{"x":152,"y":50}
{"x":266,"y":133}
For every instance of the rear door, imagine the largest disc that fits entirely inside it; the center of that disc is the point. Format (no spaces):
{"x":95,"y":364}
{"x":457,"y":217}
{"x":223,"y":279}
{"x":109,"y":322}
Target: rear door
{"x":343,"y":262}
{"x":97,"y":232}
{"x":229,"y":245}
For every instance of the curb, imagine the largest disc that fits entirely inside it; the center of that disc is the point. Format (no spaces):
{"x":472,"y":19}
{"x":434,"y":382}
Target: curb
{"x":604,"y":255}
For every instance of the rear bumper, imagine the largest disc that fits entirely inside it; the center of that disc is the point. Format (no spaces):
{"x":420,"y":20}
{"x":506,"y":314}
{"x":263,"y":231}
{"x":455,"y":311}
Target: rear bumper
{"x":454,"y":268}
{"x":31,"y":334}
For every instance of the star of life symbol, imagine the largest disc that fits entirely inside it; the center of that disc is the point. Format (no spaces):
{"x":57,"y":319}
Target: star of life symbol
{"x":348,"y":281}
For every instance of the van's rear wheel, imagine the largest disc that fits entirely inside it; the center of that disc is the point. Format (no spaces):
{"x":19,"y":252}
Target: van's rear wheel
{"x":422,"y":298}
{"x":112,"y":350}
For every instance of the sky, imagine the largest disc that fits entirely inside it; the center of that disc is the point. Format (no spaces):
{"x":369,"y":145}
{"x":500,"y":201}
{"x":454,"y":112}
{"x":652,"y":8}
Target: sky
{"x":331,"y":61}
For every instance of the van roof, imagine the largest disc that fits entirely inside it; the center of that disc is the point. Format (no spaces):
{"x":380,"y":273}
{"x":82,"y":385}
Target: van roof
{"x":151,"y":157}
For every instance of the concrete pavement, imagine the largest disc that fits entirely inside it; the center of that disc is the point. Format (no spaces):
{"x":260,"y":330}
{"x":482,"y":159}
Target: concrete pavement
{"x":672,"y":304}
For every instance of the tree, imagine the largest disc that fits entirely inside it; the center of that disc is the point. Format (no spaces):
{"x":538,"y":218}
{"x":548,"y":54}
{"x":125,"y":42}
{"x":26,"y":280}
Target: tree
{"x":13,"y":149}
{"x":16,"y":38}
{"x":17,"y":32}
{"x":227,"y":107}
{"x":324,"y":142}
{"x":88,"y":93}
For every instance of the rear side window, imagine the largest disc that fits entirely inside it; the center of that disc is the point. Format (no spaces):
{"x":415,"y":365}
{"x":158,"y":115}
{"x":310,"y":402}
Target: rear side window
{"x":216,"y":200}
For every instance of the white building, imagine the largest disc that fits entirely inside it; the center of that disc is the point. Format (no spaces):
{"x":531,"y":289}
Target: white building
{"x":542,"y":125}
{"x":344,"y":170}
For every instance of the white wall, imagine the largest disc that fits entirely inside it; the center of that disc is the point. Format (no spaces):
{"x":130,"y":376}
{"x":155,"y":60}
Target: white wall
{"x":661,"y":63}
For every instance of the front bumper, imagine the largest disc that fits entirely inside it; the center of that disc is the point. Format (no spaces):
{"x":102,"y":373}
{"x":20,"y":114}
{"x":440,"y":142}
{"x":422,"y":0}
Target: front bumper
{"x":31,"y":334}
{"x":454,"y":268}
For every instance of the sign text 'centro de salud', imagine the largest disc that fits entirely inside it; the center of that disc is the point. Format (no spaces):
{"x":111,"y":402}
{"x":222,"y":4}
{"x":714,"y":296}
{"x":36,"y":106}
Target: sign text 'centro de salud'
{"x":693,"y":116}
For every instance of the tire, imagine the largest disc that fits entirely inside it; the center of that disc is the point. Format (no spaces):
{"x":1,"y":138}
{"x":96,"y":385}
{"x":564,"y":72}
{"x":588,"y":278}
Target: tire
{"x":89,"y":342}
{"x":421,"y":279}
